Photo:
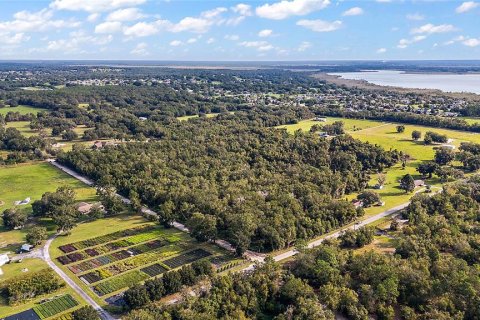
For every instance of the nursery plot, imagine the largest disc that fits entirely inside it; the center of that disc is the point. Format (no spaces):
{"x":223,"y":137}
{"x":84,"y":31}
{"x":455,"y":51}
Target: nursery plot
{"x":129,"y":264}
{"x":55,"y":306}
{"x":71,"y":247}
{"x":123,"y":281}
{"x":154,"y":270}
{"x":186,"y":258}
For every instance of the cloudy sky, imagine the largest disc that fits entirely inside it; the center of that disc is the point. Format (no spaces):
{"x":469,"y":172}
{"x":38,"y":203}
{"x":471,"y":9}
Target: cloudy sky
{"x":236,"y":30}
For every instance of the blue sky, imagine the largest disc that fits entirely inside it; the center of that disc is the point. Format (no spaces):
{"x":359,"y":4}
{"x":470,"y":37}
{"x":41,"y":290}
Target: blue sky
{"x":239,"y":30}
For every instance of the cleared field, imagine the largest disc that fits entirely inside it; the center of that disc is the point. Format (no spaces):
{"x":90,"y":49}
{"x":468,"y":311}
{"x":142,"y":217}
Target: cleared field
{"x":31,"y":180}
{"x":27,"y":266}
{"x":208,"y":115}
{"x":471,"y":120}
{"x":350,"y":124}
{"x":386,"y":136}
{"x":21,"y":109}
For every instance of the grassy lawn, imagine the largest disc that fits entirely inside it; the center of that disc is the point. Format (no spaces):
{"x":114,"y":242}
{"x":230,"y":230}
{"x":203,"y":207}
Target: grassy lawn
{"x":28,"y":266}
{"x":32,"y":180}
{"x":470,"y":120}
{"x":350,"y":124}
{"x":21,"y":109}
{"x":208,"y":115}
{"x":385,"y":135}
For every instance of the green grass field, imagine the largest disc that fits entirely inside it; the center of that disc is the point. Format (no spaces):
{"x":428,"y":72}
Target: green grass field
{"x":385,"y":135}
{"x":350,"y":124}
{"x":32,"y":180}
{"x":27,"y":266}
{"x":21,"y":109}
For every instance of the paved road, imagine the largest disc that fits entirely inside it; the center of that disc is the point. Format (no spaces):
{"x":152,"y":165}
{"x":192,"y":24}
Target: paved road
{"x":252,"y":255}
{"x":46,"y":255}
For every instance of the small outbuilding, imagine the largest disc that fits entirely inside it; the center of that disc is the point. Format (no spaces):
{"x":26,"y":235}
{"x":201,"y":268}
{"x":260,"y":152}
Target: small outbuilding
{"x":26,"y":247}
{"x":4,"y":259}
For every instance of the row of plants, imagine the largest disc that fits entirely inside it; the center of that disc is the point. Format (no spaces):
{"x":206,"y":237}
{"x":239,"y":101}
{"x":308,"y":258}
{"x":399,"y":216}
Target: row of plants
{"x":186,"y":258}
{"x":154,"y":269}
{"x":128,"y":264}
{"x":55,"y":306}
{"x":71,"y":247}
{"x":116,"y":256}
{"x":109,"y":247}
{"x":133,"y":277}
{"x":122,"y":281}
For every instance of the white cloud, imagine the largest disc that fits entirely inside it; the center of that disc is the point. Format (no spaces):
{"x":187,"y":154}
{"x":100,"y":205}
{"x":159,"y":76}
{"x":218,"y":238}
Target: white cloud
{"x":145,"y":29}
{"x":259,"y":45}
{"x":129,"y":14}
{"x":454,"y":40}
{"x":214,"y":13}
{"x":265,"y":33}
{"x":430,"y":28}
{"x":415,"y":17}
{"x":93,"y":17}
{"x":26,"y":21}
{"x":355,"y":11}
{"x":284,"y":9}
{"x":140,"y":49}
{"x":13,"y":39}
{"x":75,"y":42}
{"x":471,"y":42}
{"x":196,"y":25}
{"x":467,"y":6}
{"x":210,"y":40}
{"x":192,"y":40}
{"x":320,"y":25}
{"x":232,"y":37}
{"x":381,"y":50}
{"x":304,"y":46}
{"x":234,"y":21}
{"x":93,"y":5}
{"x":403,"y":43}
{"x":243,"y":9}
{"x":176,"y":43}
{"x":108,"y":27}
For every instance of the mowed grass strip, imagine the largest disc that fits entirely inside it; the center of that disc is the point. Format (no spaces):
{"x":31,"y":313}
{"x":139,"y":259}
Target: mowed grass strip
{"x":21,"y":109}
{"x":55,"y":306}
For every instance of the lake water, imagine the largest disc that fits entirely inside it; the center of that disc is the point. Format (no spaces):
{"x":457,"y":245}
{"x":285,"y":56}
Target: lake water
{"x":444,"y":82}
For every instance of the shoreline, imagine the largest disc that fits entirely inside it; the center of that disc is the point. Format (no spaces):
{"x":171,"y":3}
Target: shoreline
{"x":364,"y":84}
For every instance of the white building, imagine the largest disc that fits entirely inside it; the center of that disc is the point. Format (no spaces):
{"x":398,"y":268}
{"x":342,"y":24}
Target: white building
{"x":4,"y":259}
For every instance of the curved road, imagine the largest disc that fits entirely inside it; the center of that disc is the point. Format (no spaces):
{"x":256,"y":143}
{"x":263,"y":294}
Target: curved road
{"x":46,"y":255}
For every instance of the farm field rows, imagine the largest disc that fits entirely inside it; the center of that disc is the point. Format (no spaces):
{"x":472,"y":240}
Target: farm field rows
{"x":150,"y":250}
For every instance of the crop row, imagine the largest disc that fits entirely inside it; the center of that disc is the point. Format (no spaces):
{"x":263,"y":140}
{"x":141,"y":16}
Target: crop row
{"x":130,"y":278}
{"x":116,"y":256}
{"x":128,"y":264}
{"x":125,"y":280}
{"x":103,"y":239}
{"x":154,"y":270}
{"x":55,"y":306}
{"x":109,"y":247}
{"x":187,"y":257}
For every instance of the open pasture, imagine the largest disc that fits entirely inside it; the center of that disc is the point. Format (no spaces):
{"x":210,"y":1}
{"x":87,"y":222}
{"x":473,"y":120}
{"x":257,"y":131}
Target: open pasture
{"x":21,"y":109}
{"x":385,"y":135}
{"x":31,"y":180}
